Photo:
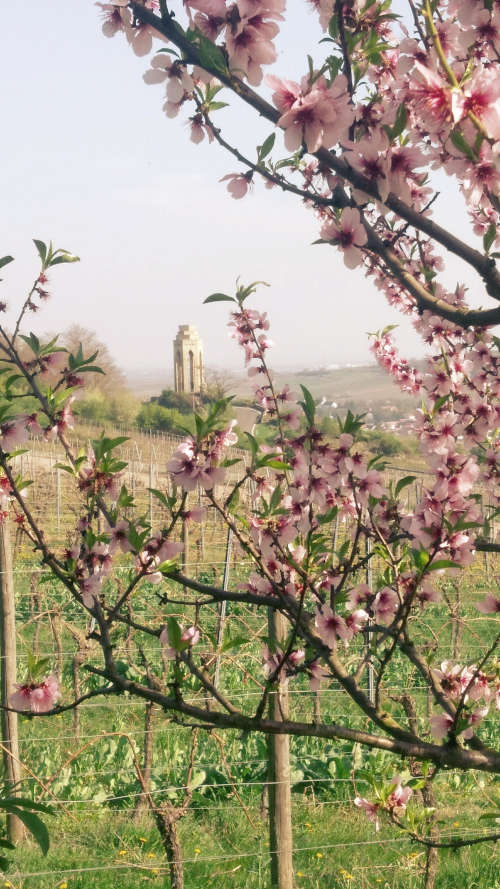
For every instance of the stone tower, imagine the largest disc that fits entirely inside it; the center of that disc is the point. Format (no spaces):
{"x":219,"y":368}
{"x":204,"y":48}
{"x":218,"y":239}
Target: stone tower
{"x":188,"y":360}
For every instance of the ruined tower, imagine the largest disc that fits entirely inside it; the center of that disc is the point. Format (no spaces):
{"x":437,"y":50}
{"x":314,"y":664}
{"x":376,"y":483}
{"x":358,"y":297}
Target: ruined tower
{"x":188,"y":360}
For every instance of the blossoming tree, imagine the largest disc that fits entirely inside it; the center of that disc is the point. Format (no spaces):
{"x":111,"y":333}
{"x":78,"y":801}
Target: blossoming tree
{"x":394,"y":99}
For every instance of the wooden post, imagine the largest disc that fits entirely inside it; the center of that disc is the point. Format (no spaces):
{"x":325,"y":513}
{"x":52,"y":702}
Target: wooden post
{"x":147,"y":764}
{"x":8,"y":671}
{"x":221,"y":620}
{"x":280,"y":796}
{"x":185,"y":561}
{"x":368,"y":629}
{"x":202,"y":532}
{"x":58,"y":503}
{"x":150,"y":494}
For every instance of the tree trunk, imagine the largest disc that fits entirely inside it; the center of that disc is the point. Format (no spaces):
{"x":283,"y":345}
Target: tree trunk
{"x":168,"y":831}
{"x":8,"y":646}
{"x":147,"y":764}
{"x":432,"y":859}
{"x":280,"y":797}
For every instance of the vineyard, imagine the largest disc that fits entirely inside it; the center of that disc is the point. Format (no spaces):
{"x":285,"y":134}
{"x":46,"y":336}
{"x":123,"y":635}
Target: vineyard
{"x":93,"y":766}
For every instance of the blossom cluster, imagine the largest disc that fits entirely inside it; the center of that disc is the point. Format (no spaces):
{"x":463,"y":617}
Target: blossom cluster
{"x":468,"y":687}
{"x":196,"y":463}
{"x":392,"y":800}
{"x":36,"y":697}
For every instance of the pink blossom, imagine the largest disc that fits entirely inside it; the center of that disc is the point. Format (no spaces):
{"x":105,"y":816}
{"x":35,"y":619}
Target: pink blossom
{"x":249,"y":46}
{"x":116,"y":17}
{"x":319,"y":116}
{"x":239,"y":183}
{"x":349,"y":234}
{"x":199,"y":128}
{"x":140,"y":36}
{"x":271,"y":660}
{"x":398,"y":798}
{"x":119,"y":537}
{"x":37,"y":697}
{"x":189,"y":637}
{"x":436,"y":103}
{"x":190,"y":468}
{"x":385,"y":605}
{"x":163,"y":68}
{"x":441,"y":725}
{"x":370,"y":809}
{"x":482,"y":98}
{"x":317,"y":672}
{"x":473,"y":720}
{"x":196,"y":514}
{"x":489,"y":605}
{"x":359,"y":595}
{"x":13,"y":433}
{"x":331,"y":626}
{"x":357,"y":620}
{"x":90,"y":589}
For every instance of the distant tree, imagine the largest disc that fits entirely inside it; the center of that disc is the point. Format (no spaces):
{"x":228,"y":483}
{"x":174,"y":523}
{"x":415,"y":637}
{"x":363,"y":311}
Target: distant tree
{"x":179,"y":401}
{"x":113,"y":378}
{"x":156,"y":418}
{"x":219,"y":382}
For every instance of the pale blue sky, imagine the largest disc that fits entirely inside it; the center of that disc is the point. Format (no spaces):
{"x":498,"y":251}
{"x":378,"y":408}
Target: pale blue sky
{"x":90,"y":161}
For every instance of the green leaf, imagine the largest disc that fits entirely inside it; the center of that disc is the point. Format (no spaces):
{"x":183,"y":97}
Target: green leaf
{"x":211,"y":56}
{"x":254,"y":445}
{"x":22,"y":802}
{"x":168,"y":502}
{"x":276,"y":464}
{"x":244,"y":292}
{"x":36,"y":827}
{"x":174,"y":633}
{"x":65,"y":468}
{"x":266,"y":147}
{"x":308,"y":405}
{"x":4,"y":260}
{"x":442,"y":563}
{"x":197,"y":779}
{"x":218,"y":298}
{"x":461,"y":143}
{"x":92,"y":368}
{"x":42,"y":249}
{"x":420,"y":558}
{"x":64,"y":257}
{"x":237,"y":642}
{"x":328,"y":517}
{"x":403,"y":483}
{"x":399,"y":123}
{"x":33,"y":342}
{"x":275,"y":498}
{"x":344,"y":549}
{"x":490,"y":816}
{"x":489,"y":237}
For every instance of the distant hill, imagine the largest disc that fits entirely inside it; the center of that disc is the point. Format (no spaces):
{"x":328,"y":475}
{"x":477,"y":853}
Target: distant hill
{"x":362,"y":389}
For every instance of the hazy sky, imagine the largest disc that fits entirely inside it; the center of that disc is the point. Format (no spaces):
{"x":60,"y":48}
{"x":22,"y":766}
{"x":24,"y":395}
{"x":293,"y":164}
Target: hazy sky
{"x":90,"y":161}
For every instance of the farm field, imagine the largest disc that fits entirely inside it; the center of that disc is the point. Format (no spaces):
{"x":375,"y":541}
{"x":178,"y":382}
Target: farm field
{"x":83,"y":765}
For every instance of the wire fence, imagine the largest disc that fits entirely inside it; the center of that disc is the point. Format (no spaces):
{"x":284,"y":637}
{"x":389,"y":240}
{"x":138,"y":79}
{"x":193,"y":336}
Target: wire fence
{"x":52,"y":495}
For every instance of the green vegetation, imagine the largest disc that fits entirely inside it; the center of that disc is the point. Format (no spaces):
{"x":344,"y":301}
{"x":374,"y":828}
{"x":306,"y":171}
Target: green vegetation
{"x":153,"y":417}
{"x":224,"y":836}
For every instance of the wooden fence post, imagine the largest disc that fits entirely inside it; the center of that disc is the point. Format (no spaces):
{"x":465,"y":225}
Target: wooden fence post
{"x":8,"y":673}
{"x":221,"y":620}
{"x":280,"y":796}
{"x":369,"y":627}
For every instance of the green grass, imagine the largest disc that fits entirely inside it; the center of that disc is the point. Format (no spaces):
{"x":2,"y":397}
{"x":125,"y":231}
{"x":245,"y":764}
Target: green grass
{"x":335,"y":849}
{"x":332,"y":839}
